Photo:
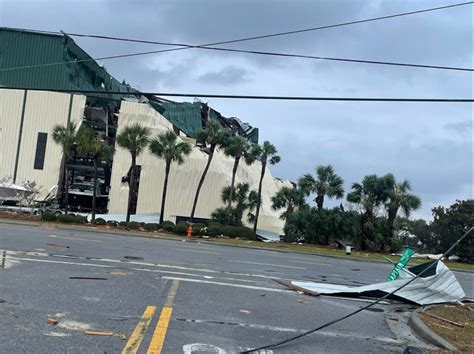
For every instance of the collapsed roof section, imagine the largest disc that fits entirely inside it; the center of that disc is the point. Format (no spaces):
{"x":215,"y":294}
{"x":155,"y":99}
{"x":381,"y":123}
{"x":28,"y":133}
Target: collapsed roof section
{"x":73,"y":69}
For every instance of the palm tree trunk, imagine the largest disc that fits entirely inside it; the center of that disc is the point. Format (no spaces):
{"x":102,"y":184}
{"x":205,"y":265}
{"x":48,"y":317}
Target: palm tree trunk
{"x":257,"y":212}
{"x":320,"y":200}
{"x":131,"y":188}
{"x":232,"y":186}
{"x":165,"y":187}
{"x":66,"y":187}
{"x":201,"y":181}
{"x":94,"y":191}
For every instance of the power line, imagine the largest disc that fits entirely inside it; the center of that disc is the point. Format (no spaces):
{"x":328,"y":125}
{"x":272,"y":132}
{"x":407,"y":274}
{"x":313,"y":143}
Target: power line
{"x":211,"y":46}
{"x":255,"y":52}
{"x":365,"y":307}
{"x":256,"y":97}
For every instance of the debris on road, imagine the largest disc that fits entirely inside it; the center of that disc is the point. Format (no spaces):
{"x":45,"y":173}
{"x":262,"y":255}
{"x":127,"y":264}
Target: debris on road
{"x":52,"y":321}
{"x":245,"y":311}
{"x":400,"y":265}
{"x":437,"y":285}
{"x":105,"y":334}
{"x":393,"y":318}
{"x":118,"y":273}
{"x":443,"y":319}
{"x":134,"y":258}
{"x":97,"y":333}
{"x":88,"y":278}
{"x":303,"y":302}
{"x":59,"y":245}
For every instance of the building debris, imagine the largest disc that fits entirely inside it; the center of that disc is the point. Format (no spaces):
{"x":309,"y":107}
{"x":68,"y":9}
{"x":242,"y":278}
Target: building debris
{"x":437,"y":285}
{"x":59,"y":245}
{"x":134,"y":258}
{"x":443,"y":319}
{"x":52,"y":321}
{"x":97,"y":333}
{"x":88,"y":278}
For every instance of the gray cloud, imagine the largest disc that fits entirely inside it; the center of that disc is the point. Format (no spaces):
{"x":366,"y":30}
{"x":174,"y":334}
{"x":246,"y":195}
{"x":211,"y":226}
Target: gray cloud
{"x":226,"y":76}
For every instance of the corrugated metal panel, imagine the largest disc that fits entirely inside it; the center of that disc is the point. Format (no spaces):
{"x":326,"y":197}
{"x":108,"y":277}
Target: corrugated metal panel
{"x":438,"y":288}
{"x":11,"y":102}
{"x":43,"y":111}
{"x":183,"y":179}
{"x":23,"y":48}
{"x":186,"y":116}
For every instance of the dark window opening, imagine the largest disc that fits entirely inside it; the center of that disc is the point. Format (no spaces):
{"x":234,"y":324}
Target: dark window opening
{"x":40,"y":151}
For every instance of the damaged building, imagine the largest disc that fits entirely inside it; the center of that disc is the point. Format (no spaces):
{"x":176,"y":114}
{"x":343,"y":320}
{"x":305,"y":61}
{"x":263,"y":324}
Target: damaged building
{"x":92,"y":97}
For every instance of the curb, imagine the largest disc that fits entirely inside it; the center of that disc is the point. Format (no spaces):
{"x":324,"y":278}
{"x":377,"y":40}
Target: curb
{"x":423,"y":331}
{"x":180,"y":239}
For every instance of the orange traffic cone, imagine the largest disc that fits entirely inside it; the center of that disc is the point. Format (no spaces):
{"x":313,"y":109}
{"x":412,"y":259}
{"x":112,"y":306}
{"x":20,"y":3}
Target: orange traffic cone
{"x":189,"y":231}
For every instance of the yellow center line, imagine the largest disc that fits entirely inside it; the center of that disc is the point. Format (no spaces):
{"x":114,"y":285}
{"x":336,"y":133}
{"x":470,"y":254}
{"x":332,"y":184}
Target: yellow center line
{"x":159,"y":335}
{"x":139,"y":332}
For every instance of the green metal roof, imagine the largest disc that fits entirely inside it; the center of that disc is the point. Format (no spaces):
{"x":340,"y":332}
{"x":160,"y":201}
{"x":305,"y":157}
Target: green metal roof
{"x":73,"y":69}
{"x":26,"y":50}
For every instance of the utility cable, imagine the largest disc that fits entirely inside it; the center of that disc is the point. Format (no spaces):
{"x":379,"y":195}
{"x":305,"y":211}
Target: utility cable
{"x":363,"y":308}
{"x":254,"y":97}
{"x":265,"y":53}
{"x":211,"y":46}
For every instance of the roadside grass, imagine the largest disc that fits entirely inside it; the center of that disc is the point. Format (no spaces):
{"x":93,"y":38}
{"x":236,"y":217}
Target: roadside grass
{"x":461,"y":337}
{"x":328,"y":251}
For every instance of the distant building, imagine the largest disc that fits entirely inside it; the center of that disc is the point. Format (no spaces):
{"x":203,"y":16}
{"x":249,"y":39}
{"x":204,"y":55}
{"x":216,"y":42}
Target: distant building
{"x":28,"y":113}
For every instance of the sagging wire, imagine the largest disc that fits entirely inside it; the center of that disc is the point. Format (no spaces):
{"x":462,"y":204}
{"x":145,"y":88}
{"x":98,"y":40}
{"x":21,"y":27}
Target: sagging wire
{"x":269,"y":346}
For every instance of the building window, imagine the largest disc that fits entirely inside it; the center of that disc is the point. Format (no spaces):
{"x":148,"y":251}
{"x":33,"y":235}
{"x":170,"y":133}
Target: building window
{"x":40,"y":151}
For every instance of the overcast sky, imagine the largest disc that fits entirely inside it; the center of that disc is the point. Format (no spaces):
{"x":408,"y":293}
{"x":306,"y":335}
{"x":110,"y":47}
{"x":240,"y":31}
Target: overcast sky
{"x":429,"y":144}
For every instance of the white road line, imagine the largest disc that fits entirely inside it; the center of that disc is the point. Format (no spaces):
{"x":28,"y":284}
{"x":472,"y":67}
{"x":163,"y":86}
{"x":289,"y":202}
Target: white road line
{"x":62,"y":262}
{"x":196,"y":275}
{"x":315,"y":263}
{"x":199,"y":251}
{"x":74,"y":238}
{"x":137,"y":269}
{"x":268,"y":264}
{"x":229,"y":284}
{"x":294,"y":330}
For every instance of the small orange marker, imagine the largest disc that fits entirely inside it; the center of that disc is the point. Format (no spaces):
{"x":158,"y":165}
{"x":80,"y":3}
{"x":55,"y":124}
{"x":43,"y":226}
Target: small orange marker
{"x":189,"y":231}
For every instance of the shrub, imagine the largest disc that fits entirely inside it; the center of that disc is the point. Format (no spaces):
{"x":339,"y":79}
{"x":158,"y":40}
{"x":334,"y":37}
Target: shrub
{"x":238,"y":231}
{"x":215,"y":230}
{"x":122,"y":224}
{"x":100,"y":221}
{"x":180,"y":228}
{"x":48,"y":217}
{"x":133,"y":225}
{"x":72,"y":219}
{"x":395,"y":246}
{"x":199,"y":230}
{"x":168,"y":225}
{"x":113,"y":223}
{"x":152,"y":227}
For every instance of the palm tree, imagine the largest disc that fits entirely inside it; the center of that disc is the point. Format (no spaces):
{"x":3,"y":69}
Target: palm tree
{"x":65,"y":136}
{"x":289,"y":198}
{"x":89,"y":143}
{"x":133,"y":138}
{"x":267,"y":153}
{"x":326,"y":183}
{"x":168,"y":146}
{"x":244,"y":199}
{"x":369,"y":194}
{"x":211,"y":136}
{"x":400,"y":198}
{"x":237,"y":147}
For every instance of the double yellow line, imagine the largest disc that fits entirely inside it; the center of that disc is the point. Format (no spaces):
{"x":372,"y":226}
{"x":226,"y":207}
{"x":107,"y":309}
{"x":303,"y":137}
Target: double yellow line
{"x":159,"y":335}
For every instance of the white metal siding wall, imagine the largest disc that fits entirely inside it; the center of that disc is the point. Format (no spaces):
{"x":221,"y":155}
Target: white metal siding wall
{"x":43,"y":111}
{"x":183,"y":179}
{"x":11,"y":103}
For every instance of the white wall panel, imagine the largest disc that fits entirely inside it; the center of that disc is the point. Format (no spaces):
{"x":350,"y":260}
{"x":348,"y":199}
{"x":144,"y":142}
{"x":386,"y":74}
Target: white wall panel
{"x":43,"y":111}
{"x":183,"y":179}
{"x":11,"y":103}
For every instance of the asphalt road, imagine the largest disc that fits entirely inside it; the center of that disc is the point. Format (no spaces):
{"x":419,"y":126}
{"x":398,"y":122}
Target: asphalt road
{"x":180,"y":297}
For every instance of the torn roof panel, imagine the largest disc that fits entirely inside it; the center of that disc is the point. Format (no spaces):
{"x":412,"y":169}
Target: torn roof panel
{"x":442,"y":286}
